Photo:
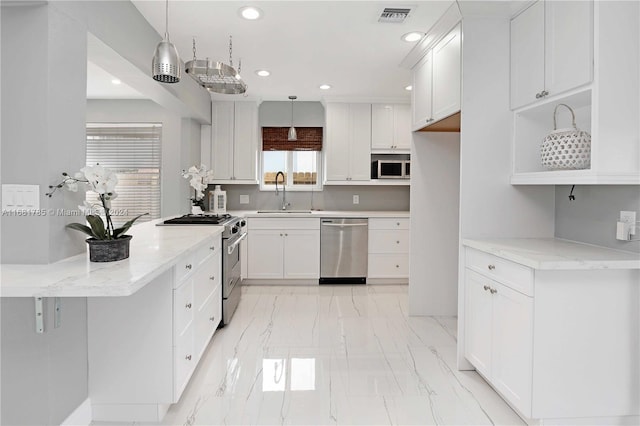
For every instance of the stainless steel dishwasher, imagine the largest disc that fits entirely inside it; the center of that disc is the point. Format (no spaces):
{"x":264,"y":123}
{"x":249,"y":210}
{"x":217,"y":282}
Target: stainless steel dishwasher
{"x":343,"y":251}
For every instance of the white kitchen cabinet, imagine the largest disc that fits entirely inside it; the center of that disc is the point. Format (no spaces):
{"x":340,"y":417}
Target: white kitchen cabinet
{"x":348,"y":142}
{"x":233,"y":150}
{"x":144,"y":348}
{"x":283,"y":249}
{"x":551,"y":50}
{"x":447,"y":79}
{"x":388,"y":249}
{"x":601,"y":39}
{"x":391,"y":127}
{"x":533,"y":333}
{"x":421,"y":94}
{"x":437,"y":81}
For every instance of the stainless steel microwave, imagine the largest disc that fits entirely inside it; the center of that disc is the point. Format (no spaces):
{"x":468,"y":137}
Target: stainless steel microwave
{"x":390,"y":169}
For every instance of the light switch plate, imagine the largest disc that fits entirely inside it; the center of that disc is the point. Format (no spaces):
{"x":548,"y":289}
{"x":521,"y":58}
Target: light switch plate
{"x":244,"y":199}
{"x":630,"y":218}
{"x":356,"y":199}
{"x":20,"y":197}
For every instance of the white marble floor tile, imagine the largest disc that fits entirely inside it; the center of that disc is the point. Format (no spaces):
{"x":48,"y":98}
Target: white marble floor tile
{"x":335,"y":355}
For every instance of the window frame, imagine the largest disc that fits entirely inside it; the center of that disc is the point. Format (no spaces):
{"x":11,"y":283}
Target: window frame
{"x":289,"y":186}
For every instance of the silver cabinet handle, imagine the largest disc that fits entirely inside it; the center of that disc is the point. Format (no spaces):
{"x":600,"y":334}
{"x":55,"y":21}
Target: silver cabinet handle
{"x":538,"y":95}
{"x":397,"y":266}
{"x":188,"y":357}
{"x":188,"y":266}
{"x":188,"y":306}
{"x":212,"y":248}
{"x":212,"y":278}
{"x":486,"y":287}
{"x":493,"y":291}
{"x":212,"y":318}
{"x":397,"y":242}
{"x":491,"y":267}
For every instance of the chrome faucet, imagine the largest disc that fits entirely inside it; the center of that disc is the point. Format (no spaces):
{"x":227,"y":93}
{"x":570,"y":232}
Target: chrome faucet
{"x":284,"y":190}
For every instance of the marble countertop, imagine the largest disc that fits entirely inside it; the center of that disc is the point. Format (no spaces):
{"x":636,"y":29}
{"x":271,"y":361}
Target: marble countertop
{"x":556,"y":254}
{"x":153,"y":250}
{"x":322,"y":213}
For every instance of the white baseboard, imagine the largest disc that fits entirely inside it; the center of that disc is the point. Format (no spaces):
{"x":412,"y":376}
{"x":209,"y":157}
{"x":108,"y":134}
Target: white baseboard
{"x":81,"y":416}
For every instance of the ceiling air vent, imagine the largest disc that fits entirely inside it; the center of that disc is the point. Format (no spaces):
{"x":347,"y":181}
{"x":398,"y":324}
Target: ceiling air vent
{"x":394,"y":15}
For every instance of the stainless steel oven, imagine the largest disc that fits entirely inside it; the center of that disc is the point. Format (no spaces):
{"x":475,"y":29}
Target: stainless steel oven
{"x":231,"y":267}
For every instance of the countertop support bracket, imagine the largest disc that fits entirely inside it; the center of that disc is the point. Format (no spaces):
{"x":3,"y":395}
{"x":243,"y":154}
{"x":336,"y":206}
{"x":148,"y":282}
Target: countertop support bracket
{"x":39,"y":311}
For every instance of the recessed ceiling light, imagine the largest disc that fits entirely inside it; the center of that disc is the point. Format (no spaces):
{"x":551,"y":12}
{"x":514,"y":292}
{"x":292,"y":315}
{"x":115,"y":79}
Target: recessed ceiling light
{"x":409,"y":88}
{"x":325,"y":87}
{"x":263,"y":73}
{"x":412,"y":36}
{"x":251,"y":13}
{"x":116,"y":81}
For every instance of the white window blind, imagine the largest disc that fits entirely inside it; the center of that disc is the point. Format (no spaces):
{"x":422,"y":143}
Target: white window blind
{"x":132,"y":151}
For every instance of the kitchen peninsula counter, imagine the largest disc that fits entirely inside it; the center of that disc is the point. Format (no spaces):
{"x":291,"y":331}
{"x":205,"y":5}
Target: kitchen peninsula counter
{"x":154,"y":250}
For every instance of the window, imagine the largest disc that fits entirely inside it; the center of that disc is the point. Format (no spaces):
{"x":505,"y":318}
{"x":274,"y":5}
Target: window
{"x":132,"y":151}
{"x":300,"y":160}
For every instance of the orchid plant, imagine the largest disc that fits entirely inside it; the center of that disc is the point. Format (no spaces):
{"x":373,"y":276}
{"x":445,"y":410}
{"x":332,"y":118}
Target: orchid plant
{"x":103,"y":182}
{"x":198,"y":180}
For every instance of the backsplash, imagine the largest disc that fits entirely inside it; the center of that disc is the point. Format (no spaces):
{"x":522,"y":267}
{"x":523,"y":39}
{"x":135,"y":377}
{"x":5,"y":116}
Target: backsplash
{"x":394,"y":198}
{"x":591,"y":218}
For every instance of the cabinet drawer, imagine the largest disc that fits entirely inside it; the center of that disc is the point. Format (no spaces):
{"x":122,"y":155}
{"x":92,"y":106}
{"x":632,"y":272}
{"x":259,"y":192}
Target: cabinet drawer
{"x":388,"y":266}
{"x":207,"y":320}
{"x":185,"y":361}
{"x":185,"y":266}
{"x":388,"y":241}
{"x":389,"y":223}
{"x":284,"y":223}
{"x":212,"y":248}
{"x":183,"y":307}
{"x":513,"y":275}
{"x":205,"y":281}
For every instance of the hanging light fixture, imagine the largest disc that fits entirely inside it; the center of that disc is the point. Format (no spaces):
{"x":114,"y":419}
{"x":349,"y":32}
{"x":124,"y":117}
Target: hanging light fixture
{"x":165,"y":64}
{"x":293,"y":135}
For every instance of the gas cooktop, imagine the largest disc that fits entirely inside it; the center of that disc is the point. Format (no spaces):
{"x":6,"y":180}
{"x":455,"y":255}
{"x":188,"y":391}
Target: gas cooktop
{"x":199,"y":219}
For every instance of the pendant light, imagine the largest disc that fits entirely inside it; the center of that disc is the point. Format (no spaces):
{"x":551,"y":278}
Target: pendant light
{"x":293,"y":135}
{"x":166,"y":62}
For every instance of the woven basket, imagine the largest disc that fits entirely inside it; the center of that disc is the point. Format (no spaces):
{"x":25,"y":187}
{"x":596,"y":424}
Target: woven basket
{"x":566,"y":148}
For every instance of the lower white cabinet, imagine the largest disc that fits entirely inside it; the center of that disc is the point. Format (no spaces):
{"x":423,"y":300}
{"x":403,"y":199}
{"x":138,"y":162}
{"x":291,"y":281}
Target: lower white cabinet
{"x":388,"y":248}
{"x":144,"y":348}
{"x":555,"y":343}
{"x":283,"y":248}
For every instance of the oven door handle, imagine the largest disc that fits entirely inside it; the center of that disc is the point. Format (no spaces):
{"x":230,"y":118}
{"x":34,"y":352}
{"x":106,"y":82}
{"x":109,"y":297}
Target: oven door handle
{"x":233,"y":246}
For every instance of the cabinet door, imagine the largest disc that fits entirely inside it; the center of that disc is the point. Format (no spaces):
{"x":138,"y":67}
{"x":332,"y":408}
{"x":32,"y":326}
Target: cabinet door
{"x":222,"y":139}
{"x":360,"y":142}
{"x":421,"y":95}
{"x":245,"y":146}
{"x":302,"y":254}
{"x":446,"y":74}
{"x":265,"y":253}
{"x":568,"y":45}
{"x":477,"y":321}
{"x":382,"y":130}
{"x":402,"y":126}
{"x":527,"y":55}
{"x":512,"y":368}
{"x":337,"y":149}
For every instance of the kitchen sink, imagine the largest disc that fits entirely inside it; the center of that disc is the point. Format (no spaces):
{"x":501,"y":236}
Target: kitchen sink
{"x":284,"y":211}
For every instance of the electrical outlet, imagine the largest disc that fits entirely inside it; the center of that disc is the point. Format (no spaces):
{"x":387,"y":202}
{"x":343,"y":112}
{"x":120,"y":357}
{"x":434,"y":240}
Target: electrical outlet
{"x":244,"y":199}
{"x":356,"y":199}
{"x":630,"y":218}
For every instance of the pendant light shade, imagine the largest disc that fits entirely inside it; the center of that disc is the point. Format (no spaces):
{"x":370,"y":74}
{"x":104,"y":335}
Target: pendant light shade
{"x":165,"y":64}
{"x":292,"y":135}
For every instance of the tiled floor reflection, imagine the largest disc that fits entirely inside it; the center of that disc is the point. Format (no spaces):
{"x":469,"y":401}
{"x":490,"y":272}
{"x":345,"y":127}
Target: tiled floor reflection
{"x":335,"y":355}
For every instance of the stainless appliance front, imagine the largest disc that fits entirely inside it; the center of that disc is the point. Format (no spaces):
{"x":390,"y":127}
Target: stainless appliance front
{"x":231,"y":268}
{"x":343,"y":251}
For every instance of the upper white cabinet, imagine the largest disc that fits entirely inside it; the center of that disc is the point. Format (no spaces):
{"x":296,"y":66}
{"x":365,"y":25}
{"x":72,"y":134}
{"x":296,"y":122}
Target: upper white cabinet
{"x":581,"y":39}
{"x":233,"y":146}
{"x":348,"y":142}
{"x":390,"y":127}
{"x":551,"y":50}
{"x":437,"y":81}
